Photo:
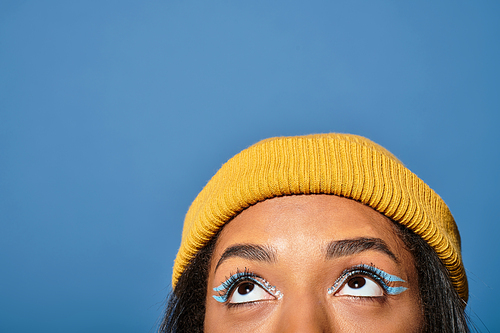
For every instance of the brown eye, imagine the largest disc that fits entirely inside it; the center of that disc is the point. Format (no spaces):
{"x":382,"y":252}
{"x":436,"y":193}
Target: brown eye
{"x":360,"y":286}
{"x":245,"y":288}
{"x":357,"y":282}
{"x":249,"y":291}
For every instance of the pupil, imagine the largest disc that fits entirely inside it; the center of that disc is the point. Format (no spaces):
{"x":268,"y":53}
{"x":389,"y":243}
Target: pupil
{"x":245,"y":288}
{"x":357,"y":282}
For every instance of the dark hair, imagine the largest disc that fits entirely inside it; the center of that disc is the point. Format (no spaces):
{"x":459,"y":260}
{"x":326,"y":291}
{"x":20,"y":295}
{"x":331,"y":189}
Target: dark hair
{"x":442,"y":307}
{"x":185,"y":311}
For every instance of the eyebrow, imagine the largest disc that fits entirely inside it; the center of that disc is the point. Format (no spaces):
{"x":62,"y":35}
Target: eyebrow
{"x":347,"y":247}
{"x":249,"y":251}
{"x":335,"y":249}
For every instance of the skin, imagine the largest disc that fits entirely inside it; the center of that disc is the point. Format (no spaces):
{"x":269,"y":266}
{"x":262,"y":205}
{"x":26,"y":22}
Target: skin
{"x":296,"y":231}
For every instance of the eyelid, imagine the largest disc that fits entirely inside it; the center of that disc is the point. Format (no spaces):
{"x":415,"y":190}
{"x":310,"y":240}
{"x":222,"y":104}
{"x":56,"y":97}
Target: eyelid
{"x":226,"y":288}
{"x":378,"y":275}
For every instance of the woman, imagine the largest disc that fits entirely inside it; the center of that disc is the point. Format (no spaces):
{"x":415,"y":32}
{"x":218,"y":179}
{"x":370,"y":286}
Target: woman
{"x":318,"y":233}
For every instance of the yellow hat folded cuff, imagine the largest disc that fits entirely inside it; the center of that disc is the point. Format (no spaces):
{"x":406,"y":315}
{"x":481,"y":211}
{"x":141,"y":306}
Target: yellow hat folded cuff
{"x":340,"y":164}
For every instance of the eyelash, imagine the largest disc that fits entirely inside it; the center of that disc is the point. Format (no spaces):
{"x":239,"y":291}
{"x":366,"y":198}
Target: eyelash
{"x":227,"y":287}
{"x":379,"y":276}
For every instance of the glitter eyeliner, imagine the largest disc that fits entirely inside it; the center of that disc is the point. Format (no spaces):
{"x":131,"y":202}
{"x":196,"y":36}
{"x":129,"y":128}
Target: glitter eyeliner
{"x":378,"y":275}
{"x":226,"y":288}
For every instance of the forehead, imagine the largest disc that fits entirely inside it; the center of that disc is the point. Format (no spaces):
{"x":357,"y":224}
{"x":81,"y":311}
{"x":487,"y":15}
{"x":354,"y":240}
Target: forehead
{"x":306,"y":221}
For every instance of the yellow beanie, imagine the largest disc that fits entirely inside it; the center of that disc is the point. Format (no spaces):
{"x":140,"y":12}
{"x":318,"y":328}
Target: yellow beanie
{"x":340,"y":164}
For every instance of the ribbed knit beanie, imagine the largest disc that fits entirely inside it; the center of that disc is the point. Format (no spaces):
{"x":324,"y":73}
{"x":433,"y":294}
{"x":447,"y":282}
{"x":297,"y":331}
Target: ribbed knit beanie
{"x":339,"y":164}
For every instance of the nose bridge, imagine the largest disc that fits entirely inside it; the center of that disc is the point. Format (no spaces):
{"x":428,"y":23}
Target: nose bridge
{"x":305,"y":313}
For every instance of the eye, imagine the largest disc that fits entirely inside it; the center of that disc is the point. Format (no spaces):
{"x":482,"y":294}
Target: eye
{"x":248,"y":291}
{"x":360,"y":286}
{"x":245,"y":287}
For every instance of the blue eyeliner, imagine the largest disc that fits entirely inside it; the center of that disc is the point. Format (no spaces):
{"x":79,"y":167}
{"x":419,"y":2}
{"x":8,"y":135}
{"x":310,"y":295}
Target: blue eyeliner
{"x":226,"y":288}
{"x":220,"y":299}
{"x":395,"y":290}
{"x":226,"y":285}
{"x":383,"y":278}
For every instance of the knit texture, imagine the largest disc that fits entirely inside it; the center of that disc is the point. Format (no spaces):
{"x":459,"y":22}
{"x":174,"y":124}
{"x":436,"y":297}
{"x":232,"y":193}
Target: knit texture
{"x":340,"y":164}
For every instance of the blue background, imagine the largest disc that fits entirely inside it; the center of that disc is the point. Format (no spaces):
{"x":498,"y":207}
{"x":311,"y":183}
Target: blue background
{"x":115,"y":114}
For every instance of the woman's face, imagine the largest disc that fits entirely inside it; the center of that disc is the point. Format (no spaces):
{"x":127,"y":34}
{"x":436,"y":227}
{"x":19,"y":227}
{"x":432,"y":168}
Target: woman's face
{"x":311,"y":263}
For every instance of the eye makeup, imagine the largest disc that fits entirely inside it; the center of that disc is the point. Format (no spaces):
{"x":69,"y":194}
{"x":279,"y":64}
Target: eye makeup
{"x":226,"y":289}
{"x":378,"y":275}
